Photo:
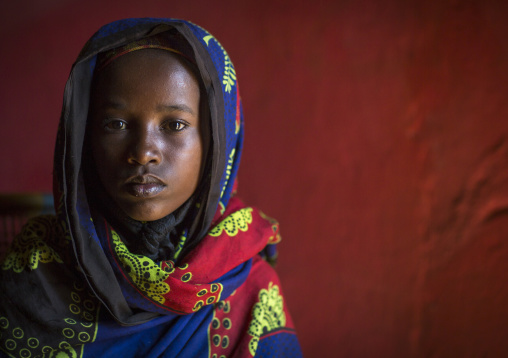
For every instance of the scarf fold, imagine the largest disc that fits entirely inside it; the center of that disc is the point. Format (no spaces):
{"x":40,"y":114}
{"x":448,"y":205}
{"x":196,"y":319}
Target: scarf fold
{"x":216,"y":267}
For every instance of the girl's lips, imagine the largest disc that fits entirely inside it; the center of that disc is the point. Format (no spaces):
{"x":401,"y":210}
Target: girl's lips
{"x":144,"y":186}
{"x":144,"y":190}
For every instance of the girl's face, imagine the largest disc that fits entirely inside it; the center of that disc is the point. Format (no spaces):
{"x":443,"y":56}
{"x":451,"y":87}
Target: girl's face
{"x":146,"y":138}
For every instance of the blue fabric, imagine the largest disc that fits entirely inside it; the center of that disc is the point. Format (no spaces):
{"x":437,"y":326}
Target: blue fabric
{"x":164,"y":336}
{"x":281,"y":345}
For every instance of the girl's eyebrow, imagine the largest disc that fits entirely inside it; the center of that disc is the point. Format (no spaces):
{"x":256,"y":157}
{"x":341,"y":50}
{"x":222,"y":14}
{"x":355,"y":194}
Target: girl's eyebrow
{"x":111,"y":103}
{"x":175,"y":107}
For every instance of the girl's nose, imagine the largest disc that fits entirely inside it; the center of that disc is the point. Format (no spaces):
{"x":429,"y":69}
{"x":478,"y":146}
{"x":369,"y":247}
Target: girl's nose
{"x":145,"y":149}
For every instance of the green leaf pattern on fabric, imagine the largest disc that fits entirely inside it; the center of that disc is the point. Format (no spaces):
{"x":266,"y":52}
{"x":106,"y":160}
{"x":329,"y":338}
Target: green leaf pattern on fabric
{"x":229,"y":77}
{"x":237,"y":221}
{"x":144,"y":273}
{"x":30,"y":247}
{"x":267,"y":315}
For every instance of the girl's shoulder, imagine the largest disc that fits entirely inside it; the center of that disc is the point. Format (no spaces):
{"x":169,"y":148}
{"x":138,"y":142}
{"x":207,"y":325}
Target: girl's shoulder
{"x":42,"y":239}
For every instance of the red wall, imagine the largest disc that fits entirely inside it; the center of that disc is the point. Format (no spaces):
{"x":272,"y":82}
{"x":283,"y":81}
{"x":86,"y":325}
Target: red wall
{"x":377,"y":134}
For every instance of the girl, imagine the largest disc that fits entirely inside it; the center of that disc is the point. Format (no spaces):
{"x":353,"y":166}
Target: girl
{"x":149,"y":254}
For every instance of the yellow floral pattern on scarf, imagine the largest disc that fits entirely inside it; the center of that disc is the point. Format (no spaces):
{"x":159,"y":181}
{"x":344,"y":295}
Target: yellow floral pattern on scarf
{"x":30,"y":247}
{"x":228,"y":170}
{"x":267,"y":315}
{"x":229,"y":78}
{"x":237,"y":221}
{"x":145,"y":274}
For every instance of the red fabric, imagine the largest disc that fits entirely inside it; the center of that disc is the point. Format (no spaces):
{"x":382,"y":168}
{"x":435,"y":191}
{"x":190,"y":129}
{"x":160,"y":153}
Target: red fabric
{"x":196,"y":281}
{"x":222,"y":253}
{"x":242,"y":300}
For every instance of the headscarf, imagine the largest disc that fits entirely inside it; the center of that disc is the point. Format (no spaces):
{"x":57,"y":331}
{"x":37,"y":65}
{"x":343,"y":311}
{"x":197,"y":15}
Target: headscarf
{"x":70,"y":286}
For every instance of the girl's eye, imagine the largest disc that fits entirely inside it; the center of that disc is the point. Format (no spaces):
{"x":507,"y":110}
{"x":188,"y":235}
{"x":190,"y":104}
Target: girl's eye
{"x":115,"y":124}
{"x":175,"y":126}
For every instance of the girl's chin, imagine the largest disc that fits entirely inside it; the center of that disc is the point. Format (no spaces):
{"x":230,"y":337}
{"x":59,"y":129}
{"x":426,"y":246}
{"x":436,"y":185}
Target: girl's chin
{"x":146,"y":210}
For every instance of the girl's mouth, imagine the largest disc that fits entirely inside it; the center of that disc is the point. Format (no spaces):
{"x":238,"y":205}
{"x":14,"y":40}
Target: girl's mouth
{"x":144,"y":190}
{"x":144,"y":186}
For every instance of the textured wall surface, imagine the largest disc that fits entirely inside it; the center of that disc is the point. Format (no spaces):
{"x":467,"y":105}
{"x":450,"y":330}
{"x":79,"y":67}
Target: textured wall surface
{"x":377,"y":134}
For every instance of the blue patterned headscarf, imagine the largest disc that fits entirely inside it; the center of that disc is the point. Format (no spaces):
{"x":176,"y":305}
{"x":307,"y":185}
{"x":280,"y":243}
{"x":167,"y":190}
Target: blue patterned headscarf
{"x":226,"y":124}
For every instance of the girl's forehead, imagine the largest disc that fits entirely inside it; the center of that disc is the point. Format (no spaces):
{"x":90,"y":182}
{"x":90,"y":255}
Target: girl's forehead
{"x":146,"y":68}
{"x":148,"y":78}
